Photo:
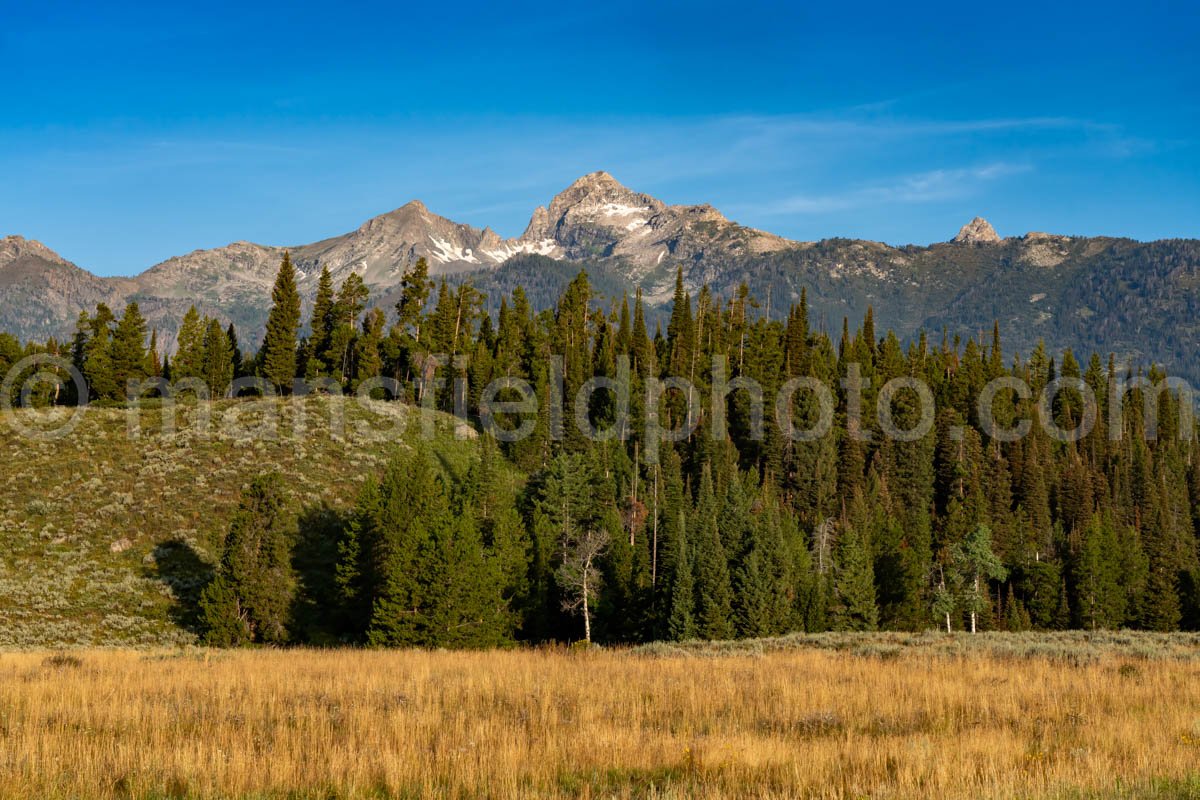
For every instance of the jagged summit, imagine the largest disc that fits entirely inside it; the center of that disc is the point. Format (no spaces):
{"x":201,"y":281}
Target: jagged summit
{"x":600,"y":195}
{"x":14,"y":247}
{"x":598,"y":179}
{"x":598,"y":217}
{"x":977,"y":231}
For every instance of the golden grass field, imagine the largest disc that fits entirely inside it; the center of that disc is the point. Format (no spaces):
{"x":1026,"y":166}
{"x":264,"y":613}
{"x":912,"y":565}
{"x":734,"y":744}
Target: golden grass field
{"x":798,"y":722}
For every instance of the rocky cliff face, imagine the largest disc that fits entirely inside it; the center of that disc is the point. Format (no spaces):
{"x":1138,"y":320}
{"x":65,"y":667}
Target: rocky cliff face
{"x":977,"y":231}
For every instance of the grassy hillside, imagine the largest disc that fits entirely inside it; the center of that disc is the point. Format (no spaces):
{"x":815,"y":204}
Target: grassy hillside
{"x":105,"y":537}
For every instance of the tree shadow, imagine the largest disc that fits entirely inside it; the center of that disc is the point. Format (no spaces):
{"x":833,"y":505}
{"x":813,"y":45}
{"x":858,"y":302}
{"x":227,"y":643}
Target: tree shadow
{"x":317,"y":613}
{"x":455,"y":475}
{"x":1189,"y":593}
{"x":178,"y":565}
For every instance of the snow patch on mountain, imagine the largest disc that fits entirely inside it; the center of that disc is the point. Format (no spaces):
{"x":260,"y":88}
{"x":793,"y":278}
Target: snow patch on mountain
{"x":447,"y":253}
{"x":507,"y":250}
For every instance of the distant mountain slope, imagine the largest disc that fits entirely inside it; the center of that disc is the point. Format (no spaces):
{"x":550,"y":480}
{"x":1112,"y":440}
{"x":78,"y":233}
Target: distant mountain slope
{"x":41,"y":293}
{"x":1139,"y":300}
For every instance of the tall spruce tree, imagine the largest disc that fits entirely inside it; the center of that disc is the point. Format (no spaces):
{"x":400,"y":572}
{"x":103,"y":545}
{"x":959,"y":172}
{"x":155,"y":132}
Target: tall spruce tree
{"x":98,"y":357}
{"x":321,"y":326}
{"x":189,"y":350}
{"x":681,"y":620}
{"x":250,"y":597}
{"x":283,"y":322}
{"x":400,"y":541}
{"x":218,"y":360}
{"x":129,"y":349}
{"x":235,"y":352}
{"x":714,"y":593}
{"x":853,"y":606}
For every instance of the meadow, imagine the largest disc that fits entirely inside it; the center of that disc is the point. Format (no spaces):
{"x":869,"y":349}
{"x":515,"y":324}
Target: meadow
{"x":835,"y":716}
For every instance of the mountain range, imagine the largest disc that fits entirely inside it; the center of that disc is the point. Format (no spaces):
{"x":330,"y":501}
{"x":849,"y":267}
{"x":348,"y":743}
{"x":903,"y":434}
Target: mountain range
{"x":1139,"y":300}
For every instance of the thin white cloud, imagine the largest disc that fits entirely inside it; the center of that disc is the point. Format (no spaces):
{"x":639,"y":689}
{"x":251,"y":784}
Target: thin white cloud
{"x":923,"y":187}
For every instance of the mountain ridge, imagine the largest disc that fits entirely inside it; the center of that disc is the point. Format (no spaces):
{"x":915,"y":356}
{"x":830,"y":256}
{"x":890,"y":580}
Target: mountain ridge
{"x":1136,"y":299}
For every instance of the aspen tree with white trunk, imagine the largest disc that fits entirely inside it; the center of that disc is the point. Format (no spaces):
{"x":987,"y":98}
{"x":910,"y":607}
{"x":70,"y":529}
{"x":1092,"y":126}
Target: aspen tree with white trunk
{"x":978,"y":564}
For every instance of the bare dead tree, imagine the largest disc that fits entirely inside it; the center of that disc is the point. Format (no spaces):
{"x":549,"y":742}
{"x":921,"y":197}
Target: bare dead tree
{"x":578,"y":575}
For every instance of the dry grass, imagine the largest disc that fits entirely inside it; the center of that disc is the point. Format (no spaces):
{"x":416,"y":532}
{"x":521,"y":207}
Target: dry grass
{"x":789,"y":723}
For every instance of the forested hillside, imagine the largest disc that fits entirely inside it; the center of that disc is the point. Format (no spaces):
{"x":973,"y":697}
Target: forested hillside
{"x":730,"y":532}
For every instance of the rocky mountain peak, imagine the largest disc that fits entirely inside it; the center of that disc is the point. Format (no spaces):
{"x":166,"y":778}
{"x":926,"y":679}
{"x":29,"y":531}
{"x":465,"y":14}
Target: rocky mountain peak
{"x":598,"y":196}
{"x":15,"y":247}
{"x":599,"y":178}
{"x":413,"y":209}
{"x":597,"y":217}
{"x":595,"y":183}
{"x":412,"y":212}
{"x":977,"y":231}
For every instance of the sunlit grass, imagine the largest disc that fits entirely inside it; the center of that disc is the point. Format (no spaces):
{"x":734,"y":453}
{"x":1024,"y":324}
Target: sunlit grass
{"x":794,"y":722}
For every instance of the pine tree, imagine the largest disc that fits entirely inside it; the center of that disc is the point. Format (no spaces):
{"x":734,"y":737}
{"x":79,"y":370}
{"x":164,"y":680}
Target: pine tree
{"x":225,"y":621}
{"x":283,"y":322}
{"x":681,"y":622}
{"x":98,"y":361}
{"x":152,"y":365}
{"x":714,"y":593}
{"x":321,"y":326}
{"x":763,"y":580}
{"x":189,"y":350}
{"x":235,"y":352}
{"x":1100,"y":598}
{"x":218,"y":360}
{"x":1161,"y":608}
{"x":351,"y":299}
{"x":129,"y":349}
{"x":413,"y":505}
{"x":415,"y":288}
{"x":462,"y":605}
{"x":250,"y":597}
{"x":367,"y":361}
{"x":853,"y":605}
{"x":493,"y":504}
{"x":79,"y":342}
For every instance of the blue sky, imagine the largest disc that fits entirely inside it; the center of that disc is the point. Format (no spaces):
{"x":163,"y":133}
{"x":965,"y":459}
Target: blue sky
{"x":133,"y":132}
